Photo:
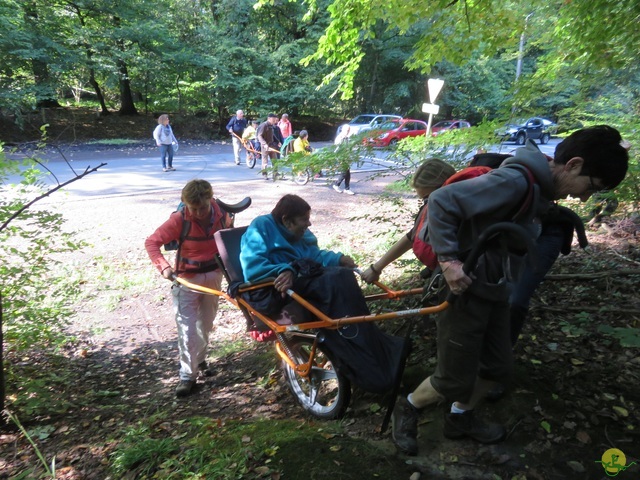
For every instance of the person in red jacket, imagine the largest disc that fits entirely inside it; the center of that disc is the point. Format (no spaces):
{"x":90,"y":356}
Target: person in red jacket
{"x":195,"y":261}
{"x":429,"y":176}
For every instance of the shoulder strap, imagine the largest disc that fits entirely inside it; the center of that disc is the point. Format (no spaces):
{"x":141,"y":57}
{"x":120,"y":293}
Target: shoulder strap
{"x":186,"y":226}
{"x":528,"y":200}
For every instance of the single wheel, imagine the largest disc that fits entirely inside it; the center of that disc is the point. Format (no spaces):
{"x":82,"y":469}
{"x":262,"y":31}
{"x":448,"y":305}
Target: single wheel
{"x":393,"y":142}
{"x":324,"y":393}
{"x":251,"y":160}
{"x":301,"y":177}
{"x":520,"y":139}
{"x":545,"y":138}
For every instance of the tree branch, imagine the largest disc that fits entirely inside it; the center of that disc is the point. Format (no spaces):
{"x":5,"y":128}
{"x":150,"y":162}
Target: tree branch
{"x":49,"y":192}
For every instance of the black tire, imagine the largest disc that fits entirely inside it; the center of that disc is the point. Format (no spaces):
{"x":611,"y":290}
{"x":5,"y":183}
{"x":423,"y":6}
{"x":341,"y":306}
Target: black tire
{"x":251,"y":160}
{"x":545,"y":138}
{"x":324,"y":393}
{"x":301,"y":177}
{"x":393,"y":142}
{"x":521,"y":138}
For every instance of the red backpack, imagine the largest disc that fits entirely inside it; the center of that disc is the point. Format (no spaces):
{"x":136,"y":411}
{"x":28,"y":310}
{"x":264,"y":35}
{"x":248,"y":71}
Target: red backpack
{"x":421,"y":248}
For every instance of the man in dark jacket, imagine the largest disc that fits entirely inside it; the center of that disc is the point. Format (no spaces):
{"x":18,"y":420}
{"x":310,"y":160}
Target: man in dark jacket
{"x":236,"y":127}
{"x":474,"y":348}
{"x":268,"y":142}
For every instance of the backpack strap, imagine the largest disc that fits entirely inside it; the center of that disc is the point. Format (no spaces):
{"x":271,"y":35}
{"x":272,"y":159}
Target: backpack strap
{"x":186,"y":226}
{"x":528,"y":200}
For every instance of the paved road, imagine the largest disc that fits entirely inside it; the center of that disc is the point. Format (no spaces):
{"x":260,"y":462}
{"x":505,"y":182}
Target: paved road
{"x":135,"y":172}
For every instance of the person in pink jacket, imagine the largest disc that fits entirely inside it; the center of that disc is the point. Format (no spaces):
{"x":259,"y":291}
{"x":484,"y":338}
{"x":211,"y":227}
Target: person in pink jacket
{"x":195,"y":261}
{"x":285,"y":125}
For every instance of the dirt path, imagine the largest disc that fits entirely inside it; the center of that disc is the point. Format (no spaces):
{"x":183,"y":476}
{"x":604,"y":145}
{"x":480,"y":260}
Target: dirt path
{"x":575,"y":393}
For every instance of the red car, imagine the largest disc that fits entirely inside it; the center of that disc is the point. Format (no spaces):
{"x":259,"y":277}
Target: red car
{"x":447,"y":125}
{"x":389,"y":133}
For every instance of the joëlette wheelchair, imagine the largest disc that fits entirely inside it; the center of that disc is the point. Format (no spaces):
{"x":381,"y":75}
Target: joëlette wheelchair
{"x":308,"y":366}
{"x":252,"y":150}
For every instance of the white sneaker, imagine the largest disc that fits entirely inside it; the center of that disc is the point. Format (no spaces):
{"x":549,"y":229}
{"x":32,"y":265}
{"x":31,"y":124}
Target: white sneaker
{"x":348,"y":191}
{"x":337,"y":188}
{"x":165,"y":169}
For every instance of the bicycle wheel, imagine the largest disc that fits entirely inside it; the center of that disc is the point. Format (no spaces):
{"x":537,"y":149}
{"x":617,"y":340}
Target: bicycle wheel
{"x":251,"y":160}
{"x":324,"y":393}
{"x":301,"y":177}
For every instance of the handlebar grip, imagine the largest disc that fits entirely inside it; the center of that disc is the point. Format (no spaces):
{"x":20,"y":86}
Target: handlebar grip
{"x":241,"y":206}
{"x":496,"y":229}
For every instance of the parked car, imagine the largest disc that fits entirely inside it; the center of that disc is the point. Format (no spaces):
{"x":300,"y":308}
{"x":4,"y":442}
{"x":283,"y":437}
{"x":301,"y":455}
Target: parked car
{"x":388,"y":134}
{"x":447,"y":125}
{"x":361,"y":123}
{"x":536,"y":128}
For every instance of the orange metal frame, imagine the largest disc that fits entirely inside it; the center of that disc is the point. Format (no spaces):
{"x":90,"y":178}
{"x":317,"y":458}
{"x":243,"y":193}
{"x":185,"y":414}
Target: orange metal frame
{"x":247,"y":146}
{"x":322,"y":321}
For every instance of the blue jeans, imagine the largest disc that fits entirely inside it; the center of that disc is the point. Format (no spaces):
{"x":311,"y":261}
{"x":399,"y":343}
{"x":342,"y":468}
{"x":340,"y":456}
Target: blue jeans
{"x":549,"y":243}
{"x":166,"y":150}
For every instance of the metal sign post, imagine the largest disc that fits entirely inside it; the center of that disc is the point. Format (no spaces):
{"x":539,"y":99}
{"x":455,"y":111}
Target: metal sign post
{"x":434,"y":85}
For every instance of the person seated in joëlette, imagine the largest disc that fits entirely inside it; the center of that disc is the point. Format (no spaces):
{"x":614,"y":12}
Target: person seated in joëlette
{"x":280,"y":245}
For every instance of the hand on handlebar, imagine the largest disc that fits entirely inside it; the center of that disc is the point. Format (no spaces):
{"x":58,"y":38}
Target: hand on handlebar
{"x":457,"y":280}
{"x":370,"y":276}
{"x":284,"y":281}
{"x":168,"y":273}
{"x":346,"y":261}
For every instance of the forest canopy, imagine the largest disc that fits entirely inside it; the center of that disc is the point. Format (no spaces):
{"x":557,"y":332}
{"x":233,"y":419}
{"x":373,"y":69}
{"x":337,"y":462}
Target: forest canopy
{"x":573,"y":62}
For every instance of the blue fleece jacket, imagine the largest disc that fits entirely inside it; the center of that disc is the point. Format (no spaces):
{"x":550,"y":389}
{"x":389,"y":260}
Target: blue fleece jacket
{"x":267,"y":249}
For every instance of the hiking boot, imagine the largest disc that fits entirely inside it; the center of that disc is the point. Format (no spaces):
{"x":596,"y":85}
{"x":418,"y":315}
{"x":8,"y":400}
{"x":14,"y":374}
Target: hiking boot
{"x":461,"y":425}
{"x":184,"y":388}
{"x":404,"y":426}
{"x":205,"y":370}
{"x":337,"y":188}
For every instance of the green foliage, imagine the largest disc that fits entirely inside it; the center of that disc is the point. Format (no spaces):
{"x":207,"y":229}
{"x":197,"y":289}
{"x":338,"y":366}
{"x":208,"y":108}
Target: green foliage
{"x":49,"y":470}
{"x":37,"y":291}
{"x":628,"y":337}
{"x":209,"y":448}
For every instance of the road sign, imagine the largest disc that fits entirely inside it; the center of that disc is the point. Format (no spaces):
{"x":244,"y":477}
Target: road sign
{"x":434,"y":85}
{"x":430,"y":108}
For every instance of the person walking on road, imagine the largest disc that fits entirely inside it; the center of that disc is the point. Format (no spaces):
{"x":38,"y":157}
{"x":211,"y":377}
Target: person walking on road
{"x":285,"y":126}
{"x":165,"y":139}
{"x":345,"y":176}
{"x":267,"y":141}
{"x":236,"y":127}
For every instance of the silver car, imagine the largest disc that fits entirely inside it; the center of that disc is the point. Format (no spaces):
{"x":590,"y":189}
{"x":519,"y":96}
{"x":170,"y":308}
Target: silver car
{"x":361,"y":123}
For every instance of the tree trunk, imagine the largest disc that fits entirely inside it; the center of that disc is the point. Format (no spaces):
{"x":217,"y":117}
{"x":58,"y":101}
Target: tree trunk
{"x":127,"y":106}
{"x":45,"y":92}
{"x":94,"y":83}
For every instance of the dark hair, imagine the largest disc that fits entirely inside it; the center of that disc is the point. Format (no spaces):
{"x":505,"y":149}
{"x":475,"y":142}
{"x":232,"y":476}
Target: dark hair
{"x":290,"y":206}
{"x":600,"y":147}
{"x":272,"y":115}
